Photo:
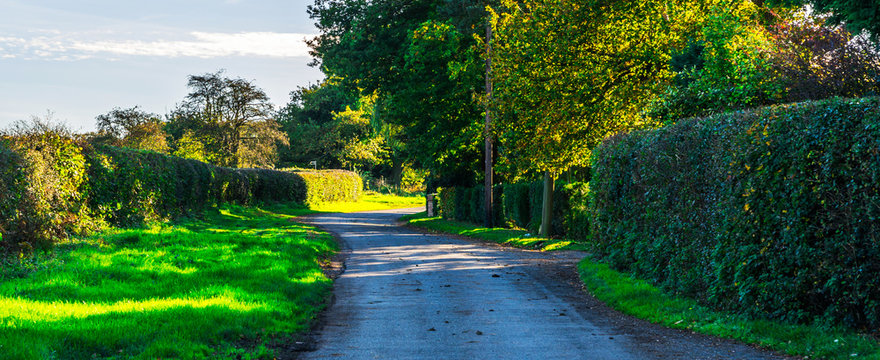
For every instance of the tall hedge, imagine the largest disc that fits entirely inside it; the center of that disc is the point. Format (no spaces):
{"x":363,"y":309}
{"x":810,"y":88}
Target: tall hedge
{"x":52,"y":186}
{"x":519,"y":205}
{"x":772,"y":212}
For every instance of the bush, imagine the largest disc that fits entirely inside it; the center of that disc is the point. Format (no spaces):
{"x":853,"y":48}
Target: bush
{"x":52,"y":186}
{"x":520,"y":205}
{"x":771,"y":212}
{"x":573,"y":206}
{"x":331,"y":185}
{"x":42,"y":172}
{"x":515,"y":200}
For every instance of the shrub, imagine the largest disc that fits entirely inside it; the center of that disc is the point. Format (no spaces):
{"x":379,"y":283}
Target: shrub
{"x":331,"y":185}
{"x":515,"y":200}
{"x":446,"y":198}
{"x":770,"y":212}
{"x":51,"y":186}
{"x":520,"y":205}
{"x":42,"y":174}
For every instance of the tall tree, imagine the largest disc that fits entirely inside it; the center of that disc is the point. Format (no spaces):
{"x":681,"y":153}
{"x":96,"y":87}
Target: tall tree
{"x":308,"y":117}
{"x":570,"y":73}
{"x":418,"y":57}
{"x":217,"y":111}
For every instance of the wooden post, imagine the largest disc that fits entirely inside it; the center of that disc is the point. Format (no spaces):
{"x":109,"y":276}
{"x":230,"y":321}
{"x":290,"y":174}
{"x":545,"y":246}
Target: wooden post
{"x":488,"y":129}
{"x":547,"y":211}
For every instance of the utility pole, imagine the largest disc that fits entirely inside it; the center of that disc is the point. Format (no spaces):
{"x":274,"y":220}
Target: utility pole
{"x":488,"y":127}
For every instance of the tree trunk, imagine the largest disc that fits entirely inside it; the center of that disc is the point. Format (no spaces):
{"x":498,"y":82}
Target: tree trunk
{"x":396,"y":173}
{"x":547,"y":212}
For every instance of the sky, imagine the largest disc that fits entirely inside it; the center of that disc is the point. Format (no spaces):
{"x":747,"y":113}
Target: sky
{"x":77,"y":59}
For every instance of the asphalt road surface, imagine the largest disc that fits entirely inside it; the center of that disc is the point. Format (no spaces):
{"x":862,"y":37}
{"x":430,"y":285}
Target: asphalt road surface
{"x":405,"y":294}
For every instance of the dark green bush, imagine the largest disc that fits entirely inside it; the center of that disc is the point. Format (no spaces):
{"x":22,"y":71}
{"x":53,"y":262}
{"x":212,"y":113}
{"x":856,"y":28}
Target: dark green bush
{"x":574,"y":208}
{"x":771,"y":212}
{"x":447,"y":202}
{"x":515,"y":200}
{"x":519,"y":205}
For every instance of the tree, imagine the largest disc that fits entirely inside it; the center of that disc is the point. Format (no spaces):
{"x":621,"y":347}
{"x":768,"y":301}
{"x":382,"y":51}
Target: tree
{"x":856,"y":15}
{"x":739,"y":62}
{"x":133,"y":128}
{"x":307,"y":118}
{"x":420,"y":59}
{"x":259,"y":144}
{"x":567,"y":74}
{"x":219,"y":111}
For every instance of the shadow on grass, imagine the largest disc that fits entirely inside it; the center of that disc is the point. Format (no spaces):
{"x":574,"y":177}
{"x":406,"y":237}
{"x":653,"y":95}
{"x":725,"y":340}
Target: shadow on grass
{"x":184,"y":291}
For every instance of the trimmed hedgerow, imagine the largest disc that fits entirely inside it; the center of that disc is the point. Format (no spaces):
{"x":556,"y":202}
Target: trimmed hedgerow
{"x":51,"y":186}
{"x":771,"y":212}
{"x":519,"y":205}
{"x":331,"y":185}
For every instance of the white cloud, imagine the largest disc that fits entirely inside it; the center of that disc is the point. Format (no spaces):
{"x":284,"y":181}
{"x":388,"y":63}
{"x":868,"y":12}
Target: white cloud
{"x":198,"y":44}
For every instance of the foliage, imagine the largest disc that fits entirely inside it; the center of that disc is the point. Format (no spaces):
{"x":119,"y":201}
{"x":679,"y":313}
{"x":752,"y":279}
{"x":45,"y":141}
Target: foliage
{"x":512,"y":237}
{"x":817,"y":61}
{"x":569,"y":73}
{"x":858,"y":16}
{"x":419,"y":59}
{"x":243,"y":280}
{"x":306,"y":120}
{"x":726,"y":66}
{"x":259,"y":143}
{"x":519,"y":205}
{"x":769,"y":212}
{"x":331,"y":186}
{"x":133,"y":128}
{"x":738,"y":61}
{"x":637,"y":297}
{"x":227,"y":113}
{"x":43,"y":172}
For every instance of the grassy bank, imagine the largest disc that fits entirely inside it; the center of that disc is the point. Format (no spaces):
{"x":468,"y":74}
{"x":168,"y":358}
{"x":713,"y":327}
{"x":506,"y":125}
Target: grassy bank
{"x":236,"y":282}
{"x":518,"y":238}
{"x":641,"y":299}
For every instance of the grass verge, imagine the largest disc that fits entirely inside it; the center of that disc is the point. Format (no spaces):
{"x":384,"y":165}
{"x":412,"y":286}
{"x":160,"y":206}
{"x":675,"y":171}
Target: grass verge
{"x":232,"y":284}
{"x":640,"y":299}
{"x":516,"y":238}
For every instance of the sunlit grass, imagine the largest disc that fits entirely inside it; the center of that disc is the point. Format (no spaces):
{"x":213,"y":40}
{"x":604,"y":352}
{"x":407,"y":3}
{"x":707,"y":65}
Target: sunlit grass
{"x":641,"y":299}
{"x":234,"y":282}
{"x":370,"y":201}
{"x":517,"y":238}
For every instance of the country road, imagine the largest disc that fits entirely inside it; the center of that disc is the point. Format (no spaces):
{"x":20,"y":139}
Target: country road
{"x":409,"y":295}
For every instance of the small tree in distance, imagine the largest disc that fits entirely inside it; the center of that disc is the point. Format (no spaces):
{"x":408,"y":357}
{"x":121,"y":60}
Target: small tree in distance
{"x":133,"y":128}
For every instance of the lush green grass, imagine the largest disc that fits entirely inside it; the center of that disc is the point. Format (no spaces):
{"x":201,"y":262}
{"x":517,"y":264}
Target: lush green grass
{"x":517,"y":238}
{"x":232,"y":283}
{"x":640,"y":299}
